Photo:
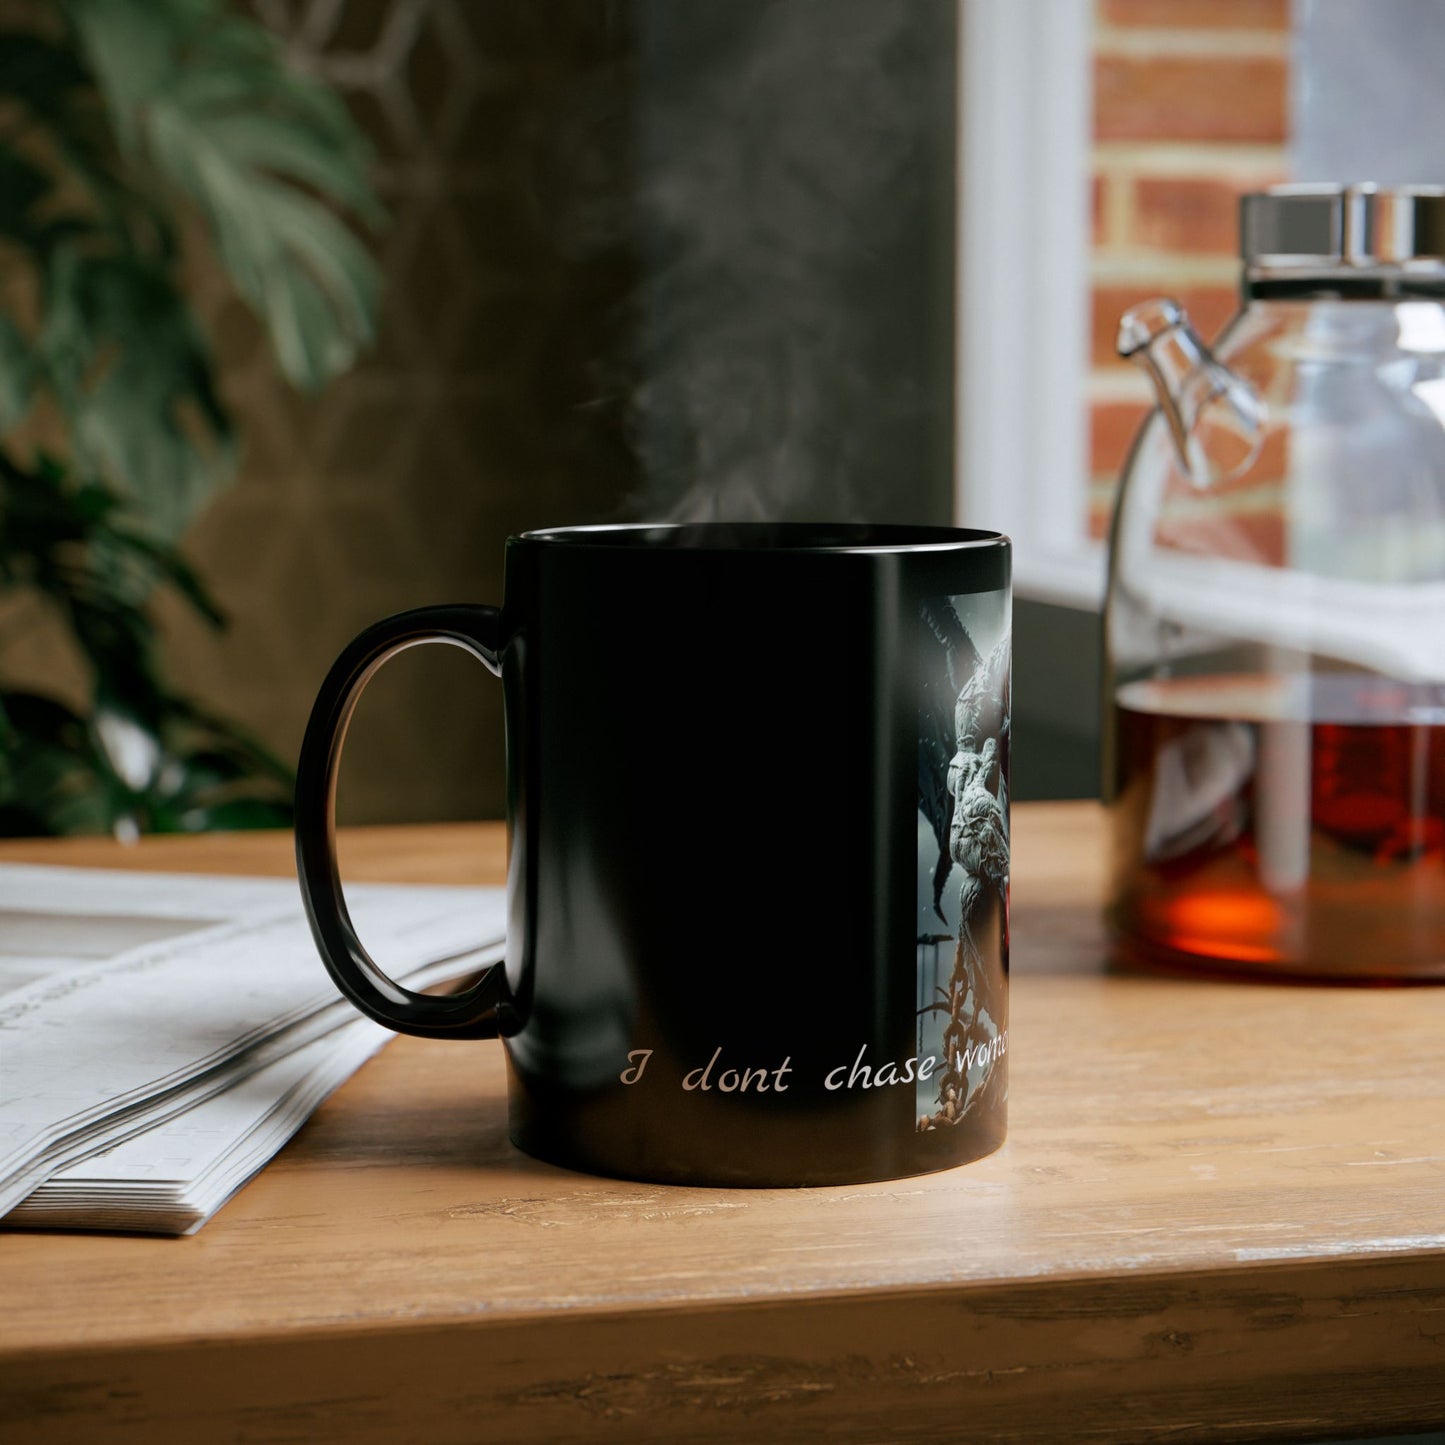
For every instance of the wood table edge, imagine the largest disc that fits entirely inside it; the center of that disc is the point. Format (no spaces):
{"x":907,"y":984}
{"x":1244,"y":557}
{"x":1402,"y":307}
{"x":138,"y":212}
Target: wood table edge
{"x":1289,"y":1347}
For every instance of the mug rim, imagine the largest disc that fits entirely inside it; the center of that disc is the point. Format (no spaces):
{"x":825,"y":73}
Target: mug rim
{"x":769,"y":537}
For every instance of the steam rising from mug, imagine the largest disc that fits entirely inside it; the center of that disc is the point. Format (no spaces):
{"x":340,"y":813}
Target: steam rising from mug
{"x":789,"y":345}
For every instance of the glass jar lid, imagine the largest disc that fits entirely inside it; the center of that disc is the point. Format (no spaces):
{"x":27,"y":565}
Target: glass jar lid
{"x":1329,"y":228}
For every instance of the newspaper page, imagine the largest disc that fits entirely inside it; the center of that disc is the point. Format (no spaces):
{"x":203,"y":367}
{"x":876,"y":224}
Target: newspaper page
{"x":130,"y":1000}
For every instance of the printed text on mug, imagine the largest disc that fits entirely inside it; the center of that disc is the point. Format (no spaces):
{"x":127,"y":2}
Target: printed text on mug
{"x":860,"y":1074}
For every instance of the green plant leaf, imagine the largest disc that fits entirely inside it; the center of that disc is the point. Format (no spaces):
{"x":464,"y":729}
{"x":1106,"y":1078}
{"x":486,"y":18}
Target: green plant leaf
{"x":49,"y":783}
{"x":17,"y":369}
{"x":221,"y":736}
{"x":58,"y":774}
{"x":110,"y":118}
{"x":22,"y":185}
{"x":234,"y":814}
{"x":134,"y":378}
{"x":263,"y":151}
{"x":54,"y":96}
{"x":41,"y":719}
{"x":169,"y":566}
{"x":74,"y":547}
{"x":37,"y":72}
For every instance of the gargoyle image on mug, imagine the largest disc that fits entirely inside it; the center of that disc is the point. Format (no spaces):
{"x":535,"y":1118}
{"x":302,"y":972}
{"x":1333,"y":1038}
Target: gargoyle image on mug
{"x":758,"y":848}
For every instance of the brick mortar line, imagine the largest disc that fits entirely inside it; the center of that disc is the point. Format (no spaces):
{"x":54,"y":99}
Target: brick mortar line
{"x":1118,"y":387}
{"x":1256,"y":501}
{"x":1137,"y":266}
{"x":1157,"y":167}
{"x":1123,"y":264}
{"x":1187,"y":158}
{"x":1120,"y":212}
{"x":1188,"y":44}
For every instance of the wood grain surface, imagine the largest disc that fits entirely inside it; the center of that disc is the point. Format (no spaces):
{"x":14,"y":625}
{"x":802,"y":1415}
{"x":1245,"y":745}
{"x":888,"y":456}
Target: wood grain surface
{"x":1220,"y":1214}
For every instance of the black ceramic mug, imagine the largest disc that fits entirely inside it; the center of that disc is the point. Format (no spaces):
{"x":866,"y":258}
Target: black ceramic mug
{"x":758,"y":879}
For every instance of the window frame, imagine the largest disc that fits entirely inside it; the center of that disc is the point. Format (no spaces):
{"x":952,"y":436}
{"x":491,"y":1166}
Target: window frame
{"x":1025,"y":118}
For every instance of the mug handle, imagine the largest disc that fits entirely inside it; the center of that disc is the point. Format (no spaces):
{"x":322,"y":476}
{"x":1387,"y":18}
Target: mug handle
{"x":471,"y":1014}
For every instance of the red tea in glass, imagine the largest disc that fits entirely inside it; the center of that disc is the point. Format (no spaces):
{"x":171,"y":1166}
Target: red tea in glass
{"x":1286,"y":825}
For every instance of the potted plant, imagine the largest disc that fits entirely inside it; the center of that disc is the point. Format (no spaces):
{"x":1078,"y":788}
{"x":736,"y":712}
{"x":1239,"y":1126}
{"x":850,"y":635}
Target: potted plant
{"x":130,"y":129}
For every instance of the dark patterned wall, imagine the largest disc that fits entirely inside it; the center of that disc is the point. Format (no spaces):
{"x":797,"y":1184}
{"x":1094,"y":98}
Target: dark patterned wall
{"x":478,"y":416}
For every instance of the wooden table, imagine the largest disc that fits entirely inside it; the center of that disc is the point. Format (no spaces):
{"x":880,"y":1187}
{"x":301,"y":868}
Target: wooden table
{"x":1220,"y":1214}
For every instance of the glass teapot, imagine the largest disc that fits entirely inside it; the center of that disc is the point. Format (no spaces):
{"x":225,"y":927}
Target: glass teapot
{"x":1275,"y":623}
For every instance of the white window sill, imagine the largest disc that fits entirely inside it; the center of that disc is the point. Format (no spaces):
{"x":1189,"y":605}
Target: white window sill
{"x":1025,"y":121}
{"x":1064,"y":579}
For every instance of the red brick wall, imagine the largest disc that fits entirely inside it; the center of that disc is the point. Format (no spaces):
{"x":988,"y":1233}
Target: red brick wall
{"x":1190,"y":110}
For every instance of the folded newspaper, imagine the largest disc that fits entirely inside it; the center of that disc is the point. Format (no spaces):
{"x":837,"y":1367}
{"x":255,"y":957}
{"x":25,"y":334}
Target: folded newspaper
{"x":161,"y":1036}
